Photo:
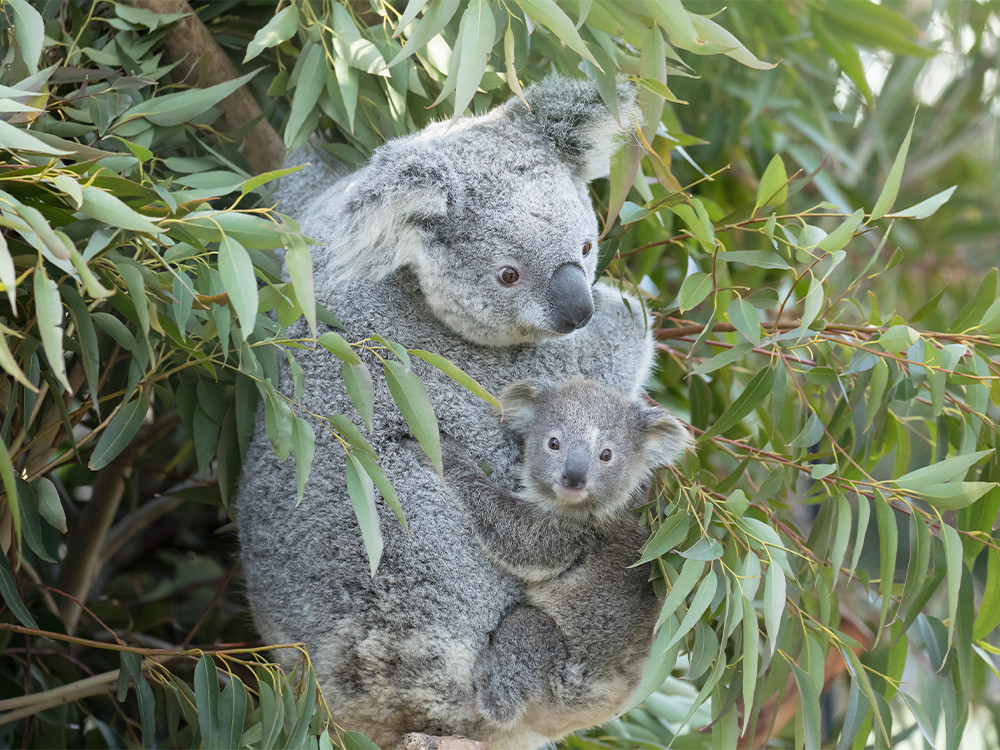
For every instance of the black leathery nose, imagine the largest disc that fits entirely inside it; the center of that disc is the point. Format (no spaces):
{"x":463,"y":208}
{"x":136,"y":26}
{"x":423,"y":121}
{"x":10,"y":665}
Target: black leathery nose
{"x":575,"y":471}
{"x":571,"y":302}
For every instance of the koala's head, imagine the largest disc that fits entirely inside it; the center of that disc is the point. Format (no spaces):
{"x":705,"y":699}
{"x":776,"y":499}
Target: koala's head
{"x":588,"y":448}
{"x":492,"y":214}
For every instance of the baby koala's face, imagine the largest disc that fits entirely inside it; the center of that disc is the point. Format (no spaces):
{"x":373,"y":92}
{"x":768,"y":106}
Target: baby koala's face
{"x":587,"y":448}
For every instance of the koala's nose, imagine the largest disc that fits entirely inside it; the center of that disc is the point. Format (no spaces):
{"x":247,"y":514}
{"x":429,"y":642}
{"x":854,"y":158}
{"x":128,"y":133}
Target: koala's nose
{"x":571,"y":302}
{"x":575,"y":471}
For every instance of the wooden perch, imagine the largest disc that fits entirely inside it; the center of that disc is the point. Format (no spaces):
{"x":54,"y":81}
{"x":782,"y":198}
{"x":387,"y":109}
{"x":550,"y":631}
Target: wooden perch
{"x":188,"y":43}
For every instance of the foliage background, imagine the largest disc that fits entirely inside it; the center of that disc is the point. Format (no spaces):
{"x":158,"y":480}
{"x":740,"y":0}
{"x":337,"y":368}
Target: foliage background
{"x":829,"y":552}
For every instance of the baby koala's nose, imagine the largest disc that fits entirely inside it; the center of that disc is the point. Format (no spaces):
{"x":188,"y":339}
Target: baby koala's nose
{"x":575,"y":472}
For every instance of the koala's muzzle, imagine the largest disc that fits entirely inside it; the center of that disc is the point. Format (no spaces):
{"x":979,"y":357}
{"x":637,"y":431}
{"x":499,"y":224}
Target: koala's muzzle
{"x":575,"y":471}
{"x":571,"y":303}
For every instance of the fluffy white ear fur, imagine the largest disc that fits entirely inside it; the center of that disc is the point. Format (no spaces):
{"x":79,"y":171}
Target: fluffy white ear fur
{"x":378,"y":236}
{"x":666,"y":437}
{"x":517,"y":403}
{"x":571,"y":116}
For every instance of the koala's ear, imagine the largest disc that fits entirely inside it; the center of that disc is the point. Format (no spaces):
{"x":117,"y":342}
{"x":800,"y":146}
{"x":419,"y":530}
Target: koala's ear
{"x":666,"y":437}
{"x":379,"y":223}
{"x":517,"y":403}
{"x":572,"y":118}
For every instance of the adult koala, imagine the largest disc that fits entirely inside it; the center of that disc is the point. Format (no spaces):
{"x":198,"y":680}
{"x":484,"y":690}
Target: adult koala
{"x":476,"y":240}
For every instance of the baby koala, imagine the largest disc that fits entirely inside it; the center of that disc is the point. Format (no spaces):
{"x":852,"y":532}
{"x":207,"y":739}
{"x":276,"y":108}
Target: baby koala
{"x":582,"y":634}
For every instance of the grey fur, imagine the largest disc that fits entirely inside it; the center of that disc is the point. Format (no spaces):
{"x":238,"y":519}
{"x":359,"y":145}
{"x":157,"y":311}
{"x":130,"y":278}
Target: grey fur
{"x":409,"y":248}
{"x":574,"y":649}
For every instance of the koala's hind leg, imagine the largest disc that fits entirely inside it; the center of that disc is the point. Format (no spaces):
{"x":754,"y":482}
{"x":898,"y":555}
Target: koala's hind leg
{"x":519,"y":666}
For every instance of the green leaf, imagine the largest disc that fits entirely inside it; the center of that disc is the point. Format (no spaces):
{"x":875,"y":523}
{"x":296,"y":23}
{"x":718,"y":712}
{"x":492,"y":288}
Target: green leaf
{"x":411,"y":397}
{"x":110,"y":209}
{"x":303,"y":447}
{"x":362,"y":493}
{"x":8,"y":587}
{"x":952,"y":495}
{"x":702,"y":599}
{"x":311,"y":76}
{"x":31,"y":526}
{"x":49,"y":505}
{"x":682,"y":586}
{"x":8,"y":278}
{"x":120,"y":431}
{"x":756,"y":258}
{"x":240,"y":283}
{"x":356,"y":740}
{"x":29,"y":33}
{"x":810,"y":434}
{"x":476,"y":31}
{"x":693,"y":291}
{"x":713,"y":38}
{"x":773,"y":187}
{"x":844,"y":233}
{"x":15,"y":139}
{"x":49,"y":309}
{"x":279,"y":29}
{"x":659,"y":88}
{"x":947,"y":470}
{"x":206,"y":691}
{"x":888,"y":533}
{"x":774,"y":604}
{"x":437,"y":16}
{"x":745,"y":319}
{"x":550,"y":15}
{"x":673,"y":531}
{"x":809,"y":707}
{"x":338,"y":346}
{"x":361,"y":390}
{"x":176,"y":109}
{"x":147,"y":712}
{"x":953,"y":561}
{"x":262,"y":179}
{"x":383,"y":485}
{"x":722,"y":359}
{"x":232,"y":714}
{"x":898,"y":339}
{"x":751,"y":656}
{"x":753,"y":394}
{"x":926,"y":207}
{"x":988,"y":617}
{"x":298,"y":261}
{"x":891,"y":188}
{"x":454,"y":372}
{"x":272,"y":715}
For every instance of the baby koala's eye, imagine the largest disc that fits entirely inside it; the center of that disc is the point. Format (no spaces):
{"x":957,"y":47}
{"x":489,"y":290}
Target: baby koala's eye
{"x":606,"y":454}
{"x":508,"y":275}
{"x":553,"y":444}
{"x":587,"y":244}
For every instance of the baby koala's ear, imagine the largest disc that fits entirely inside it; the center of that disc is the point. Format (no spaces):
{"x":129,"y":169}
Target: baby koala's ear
{"x":666,"y":437}
{"x":517,"y":403}
{"x":572,"y":118}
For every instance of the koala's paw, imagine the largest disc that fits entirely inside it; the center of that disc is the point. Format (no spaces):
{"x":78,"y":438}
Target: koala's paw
{"x":501,"y":701}
{"x":454,"y":455}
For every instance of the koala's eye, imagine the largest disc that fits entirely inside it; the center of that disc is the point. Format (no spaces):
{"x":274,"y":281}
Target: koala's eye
{"x":606,"y":454}
{"x":553,"y":444}
{"x":587,"y":244}
{"x":508,"y":275}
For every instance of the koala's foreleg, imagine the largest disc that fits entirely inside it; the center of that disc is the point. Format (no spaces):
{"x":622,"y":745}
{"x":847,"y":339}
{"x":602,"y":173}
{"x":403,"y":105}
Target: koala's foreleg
{"x":529,"y":542}
{"x":520,"y":667}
